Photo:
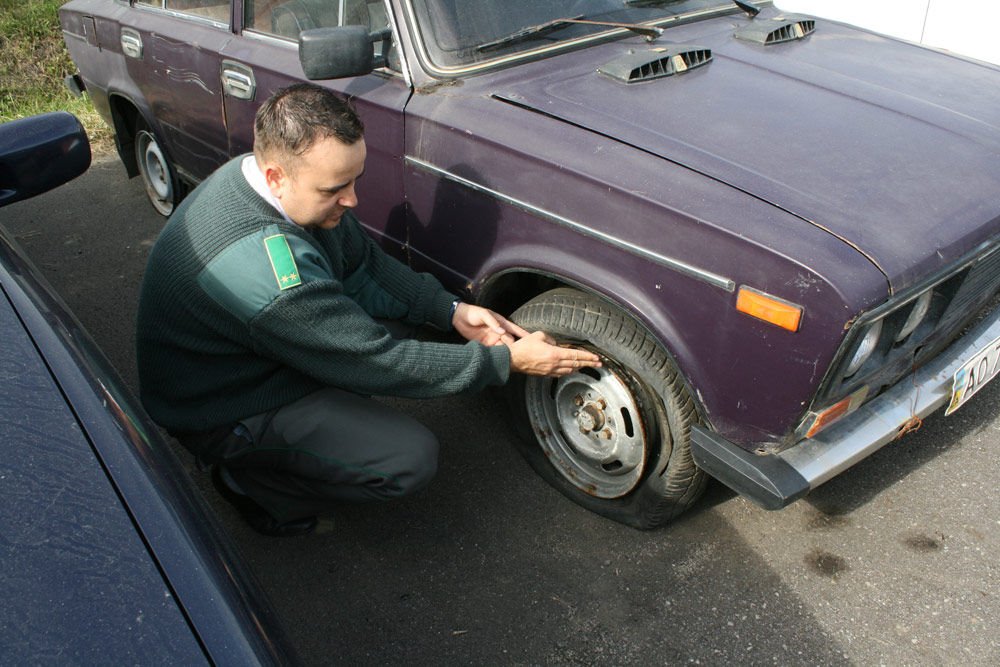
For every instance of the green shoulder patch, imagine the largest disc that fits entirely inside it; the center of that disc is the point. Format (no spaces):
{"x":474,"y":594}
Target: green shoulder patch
{"x":282,"y":262}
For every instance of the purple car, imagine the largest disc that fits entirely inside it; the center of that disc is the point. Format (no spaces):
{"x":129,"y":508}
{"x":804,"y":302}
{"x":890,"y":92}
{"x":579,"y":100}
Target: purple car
{"x":781,"y":233}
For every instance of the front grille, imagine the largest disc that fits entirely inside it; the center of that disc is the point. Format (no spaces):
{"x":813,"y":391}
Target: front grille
{"x":959,"y":296}
{"x":982,"y":281}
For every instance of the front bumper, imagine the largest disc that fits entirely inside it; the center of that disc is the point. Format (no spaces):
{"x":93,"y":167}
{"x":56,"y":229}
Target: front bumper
{"x":776,"y":480}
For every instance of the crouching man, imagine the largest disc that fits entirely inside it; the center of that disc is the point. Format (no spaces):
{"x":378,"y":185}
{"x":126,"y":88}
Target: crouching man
{"x":262,"y":329}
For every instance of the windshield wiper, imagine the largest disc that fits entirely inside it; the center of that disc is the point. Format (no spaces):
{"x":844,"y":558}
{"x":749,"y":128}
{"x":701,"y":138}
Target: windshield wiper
{"x":747,"y":7}
{"x":742,"y":4}
{"x":650,"y":3}
{"x":649,"y":32}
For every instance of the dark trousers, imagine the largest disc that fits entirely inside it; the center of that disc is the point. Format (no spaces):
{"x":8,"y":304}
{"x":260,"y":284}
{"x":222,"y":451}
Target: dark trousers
{"x":329,"y":446}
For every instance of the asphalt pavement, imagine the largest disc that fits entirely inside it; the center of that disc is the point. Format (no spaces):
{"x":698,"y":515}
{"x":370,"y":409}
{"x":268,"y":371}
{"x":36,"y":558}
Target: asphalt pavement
{"x":894,"y":562}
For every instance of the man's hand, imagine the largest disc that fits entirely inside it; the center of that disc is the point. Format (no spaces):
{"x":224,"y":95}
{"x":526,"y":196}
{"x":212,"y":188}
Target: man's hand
{"x":485,"y":326}
{"x":536,"y":354}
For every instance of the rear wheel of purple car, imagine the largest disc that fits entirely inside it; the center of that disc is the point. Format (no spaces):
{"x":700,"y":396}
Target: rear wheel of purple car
{"x":157,"y":173}
{"x":614,"y":439}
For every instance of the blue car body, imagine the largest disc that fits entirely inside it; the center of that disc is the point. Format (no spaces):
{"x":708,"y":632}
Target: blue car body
{"x":108,"y":554}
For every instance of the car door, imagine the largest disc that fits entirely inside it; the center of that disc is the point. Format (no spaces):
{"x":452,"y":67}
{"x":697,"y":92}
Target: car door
{"x":172,"y":51}
{"x":263,"y":58}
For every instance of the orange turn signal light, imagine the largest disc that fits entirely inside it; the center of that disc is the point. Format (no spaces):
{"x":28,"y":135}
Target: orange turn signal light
{"x":846,"y":406}
{"x":769,"y":308}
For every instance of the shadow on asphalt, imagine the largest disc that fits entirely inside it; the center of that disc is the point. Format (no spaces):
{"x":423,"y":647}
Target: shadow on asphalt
{"x":491,"y":566}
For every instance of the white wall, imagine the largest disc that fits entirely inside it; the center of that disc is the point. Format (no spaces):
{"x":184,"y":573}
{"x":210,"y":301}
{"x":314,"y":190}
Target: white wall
{"x":969,"y":27}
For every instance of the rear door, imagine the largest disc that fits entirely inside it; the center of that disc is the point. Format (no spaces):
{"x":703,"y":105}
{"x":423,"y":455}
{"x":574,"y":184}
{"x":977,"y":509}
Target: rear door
{"x":263,"y":57}
{"x":172,"y":50}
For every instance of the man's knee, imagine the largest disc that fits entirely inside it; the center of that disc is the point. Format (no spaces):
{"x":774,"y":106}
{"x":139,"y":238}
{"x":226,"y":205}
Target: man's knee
{"x":414,"y":466}
{"x":352,"y":447}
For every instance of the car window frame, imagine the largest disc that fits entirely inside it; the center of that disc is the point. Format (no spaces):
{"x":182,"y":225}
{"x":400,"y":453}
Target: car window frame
{"x":145,"y":6}
{"x":253,"y":33}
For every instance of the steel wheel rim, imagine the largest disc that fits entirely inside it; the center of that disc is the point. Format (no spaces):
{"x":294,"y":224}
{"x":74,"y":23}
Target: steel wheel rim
{"x":590,"y":428}
{"x":155,"y":173}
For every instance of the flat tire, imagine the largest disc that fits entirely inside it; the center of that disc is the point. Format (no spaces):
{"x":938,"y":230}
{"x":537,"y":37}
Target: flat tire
{"x":616,"y":439}
{"x":156,"y":170}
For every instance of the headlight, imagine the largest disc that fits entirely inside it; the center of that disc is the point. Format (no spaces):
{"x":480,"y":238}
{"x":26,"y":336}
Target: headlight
{"x":917,"y":315}
{"x":865,"y":349}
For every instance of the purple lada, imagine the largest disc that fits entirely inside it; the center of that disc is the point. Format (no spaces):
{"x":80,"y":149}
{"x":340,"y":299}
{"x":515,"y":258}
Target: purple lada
{"x":782,"y":234}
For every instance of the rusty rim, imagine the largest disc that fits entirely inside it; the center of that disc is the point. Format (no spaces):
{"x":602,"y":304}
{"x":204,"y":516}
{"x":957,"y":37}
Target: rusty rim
{"x":590,"y":427}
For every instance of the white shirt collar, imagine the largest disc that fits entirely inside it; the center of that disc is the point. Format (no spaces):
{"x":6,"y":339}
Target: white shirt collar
{"x":255,"y":177}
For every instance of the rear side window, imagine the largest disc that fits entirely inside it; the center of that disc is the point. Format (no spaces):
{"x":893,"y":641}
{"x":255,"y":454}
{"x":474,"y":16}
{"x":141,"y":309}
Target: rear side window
{"x":213,"y":10}
{"x":287,"y":18}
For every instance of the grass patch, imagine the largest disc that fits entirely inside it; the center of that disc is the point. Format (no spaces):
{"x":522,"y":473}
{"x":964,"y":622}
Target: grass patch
{"x":33,"y":63}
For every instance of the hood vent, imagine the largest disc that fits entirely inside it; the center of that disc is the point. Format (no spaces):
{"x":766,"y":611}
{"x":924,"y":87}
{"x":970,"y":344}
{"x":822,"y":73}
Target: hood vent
{"x":777,"y":30}
{"x":657,"y":63}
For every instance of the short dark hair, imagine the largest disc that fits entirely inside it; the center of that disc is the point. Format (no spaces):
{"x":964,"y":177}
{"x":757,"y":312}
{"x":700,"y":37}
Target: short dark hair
{"x":294,"y":118}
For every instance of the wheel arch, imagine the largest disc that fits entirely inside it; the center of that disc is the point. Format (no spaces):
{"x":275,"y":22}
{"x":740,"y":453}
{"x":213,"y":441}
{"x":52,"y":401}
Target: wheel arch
{"x":124,"y":113}
{"x":506,"y":290}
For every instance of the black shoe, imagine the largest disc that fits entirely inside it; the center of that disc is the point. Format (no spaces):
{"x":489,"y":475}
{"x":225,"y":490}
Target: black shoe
{"x":255,"y":515}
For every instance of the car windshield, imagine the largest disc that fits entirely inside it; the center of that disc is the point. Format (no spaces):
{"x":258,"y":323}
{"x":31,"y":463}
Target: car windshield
{"x":464,"y":32}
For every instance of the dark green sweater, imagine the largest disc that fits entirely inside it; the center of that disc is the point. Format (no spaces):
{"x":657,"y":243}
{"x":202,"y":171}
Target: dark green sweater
{"x":242,"y":312}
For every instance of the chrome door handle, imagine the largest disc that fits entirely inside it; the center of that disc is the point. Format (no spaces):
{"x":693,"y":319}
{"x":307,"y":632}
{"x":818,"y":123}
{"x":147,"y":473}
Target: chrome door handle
{"x":131,"y":43}
{"x":238,"y":80}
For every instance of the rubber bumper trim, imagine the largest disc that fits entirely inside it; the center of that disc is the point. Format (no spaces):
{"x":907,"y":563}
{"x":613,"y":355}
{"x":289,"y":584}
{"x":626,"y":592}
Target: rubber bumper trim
{"x":765,"y":479}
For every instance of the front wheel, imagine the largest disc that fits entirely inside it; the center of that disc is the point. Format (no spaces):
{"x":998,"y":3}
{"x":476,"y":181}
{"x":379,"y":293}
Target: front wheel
{"x":614,"y":439}
{"x":157,"y":174}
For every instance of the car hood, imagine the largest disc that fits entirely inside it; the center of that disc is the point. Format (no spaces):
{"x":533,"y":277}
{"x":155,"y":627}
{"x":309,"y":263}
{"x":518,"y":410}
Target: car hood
{"x":893,"y":148}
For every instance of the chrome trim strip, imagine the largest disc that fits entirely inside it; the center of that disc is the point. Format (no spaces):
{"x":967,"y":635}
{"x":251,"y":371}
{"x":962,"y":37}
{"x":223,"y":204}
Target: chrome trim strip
{"x":197,"y":18}
{"x":878,"y":422}
{"x":674,"y":264}
{"x":270,"y":38}
{"x":403,"y":64}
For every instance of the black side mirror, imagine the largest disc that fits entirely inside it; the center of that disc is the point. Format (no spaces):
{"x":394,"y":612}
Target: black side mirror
{"x":335,"y":53}
{"x":40,"y":153}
